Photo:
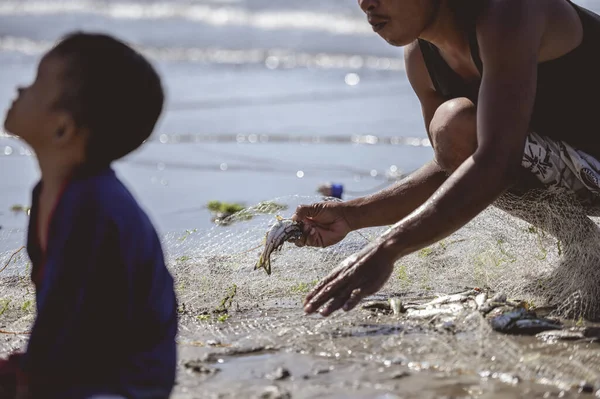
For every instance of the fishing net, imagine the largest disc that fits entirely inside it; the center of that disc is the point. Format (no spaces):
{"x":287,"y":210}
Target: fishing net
{"x":223,"y":299}
{"x":553,"y":261}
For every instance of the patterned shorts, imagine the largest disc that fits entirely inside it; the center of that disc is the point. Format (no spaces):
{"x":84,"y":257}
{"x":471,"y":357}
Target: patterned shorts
{"x":561,"y":167}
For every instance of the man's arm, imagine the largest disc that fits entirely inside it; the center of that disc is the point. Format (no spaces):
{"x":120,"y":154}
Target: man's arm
{"x":509,"y":36}
{"x":392,"y":204}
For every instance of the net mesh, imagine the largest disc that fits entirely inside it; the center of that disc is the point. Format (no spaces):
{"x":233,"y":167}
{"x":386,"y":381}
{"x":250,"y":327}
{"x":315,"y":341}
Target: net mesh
{"x":221,"y":296}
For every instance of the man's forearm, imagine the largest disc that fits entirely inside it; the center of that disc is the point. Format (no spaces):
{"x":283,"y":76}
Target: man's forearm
{"x":473,"y":187}
{"x":392,"y":204}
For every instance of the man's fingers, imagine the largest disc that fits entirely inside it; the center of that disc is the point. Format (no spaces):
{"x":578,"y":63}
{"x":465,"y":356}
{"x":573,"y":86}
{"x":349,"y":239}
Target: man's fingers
{"x":355,"y":297}
{"x":316,"y":239}
{"x":300,"y":242}
{"x":332,"y":286}
{"x":313,"y":238}
{"x":310,"y":238}
{"x":318,"y":300}
{"x":336,"y":303}
{"x":329,"y":291}
{"x":319,"y":287}
{"x":303,"y":212}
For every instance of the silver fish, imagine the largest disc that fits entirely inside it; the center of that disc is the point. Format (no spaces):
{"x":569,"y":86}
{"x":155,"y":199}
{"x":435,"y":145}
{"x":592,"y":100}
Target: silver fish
{"x":522,"y":321}
{"x":282,"y":231}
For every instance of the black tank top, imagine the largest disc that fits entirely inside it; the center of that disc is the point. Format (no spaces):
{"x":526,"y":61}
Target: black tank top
{"x":566,"y":105}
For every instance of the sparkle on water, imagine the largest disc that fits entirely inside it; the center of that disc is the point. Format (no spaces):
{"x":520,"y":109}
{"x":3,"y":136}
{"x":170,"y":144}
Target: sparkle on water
{"x":352,"y":79}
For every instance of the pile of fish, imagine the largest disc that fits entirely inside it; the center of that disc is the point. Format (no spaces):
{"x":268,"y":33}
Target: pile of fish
{"x":504,"y":315}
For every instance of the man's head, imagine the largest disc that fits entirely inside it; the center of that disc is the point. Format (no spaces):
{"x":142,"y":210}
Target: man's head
{"x":400,"y":22}
{"x":91,"y":92}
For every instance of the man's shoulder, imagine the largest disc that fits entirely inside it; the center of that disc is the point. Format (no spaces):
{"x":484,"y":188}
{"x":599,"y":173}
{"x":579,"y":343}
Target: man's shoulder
{"x":518,"y":10}
{"x":518,"y":4}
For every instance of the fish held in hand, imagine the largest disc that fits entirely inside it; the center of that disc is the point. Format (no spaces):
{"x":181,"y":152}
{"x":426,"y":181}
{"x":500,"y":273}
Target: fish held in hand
{"x":283,"y":230}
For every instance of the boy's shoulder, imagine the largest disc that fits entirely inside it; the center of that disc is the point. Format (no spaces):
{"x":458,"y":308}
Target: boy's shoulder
{"x":99,"y":188}
{"x":103,"y":193}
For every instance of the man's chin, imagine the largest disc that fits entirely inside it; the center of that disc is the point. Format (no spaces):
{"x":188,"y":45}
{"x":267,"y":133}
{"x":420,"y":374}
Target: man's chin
{"x":393,"y":43}
{"x":396,"y":42}
{"x":398,"y":39}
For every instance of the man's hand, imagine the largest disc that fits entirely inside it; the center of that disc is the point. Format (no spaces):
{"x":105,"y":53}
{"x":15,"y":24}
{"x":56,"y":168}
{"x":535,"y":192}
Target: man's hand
{"x":357,"y":277}
{"x":325,"y":224}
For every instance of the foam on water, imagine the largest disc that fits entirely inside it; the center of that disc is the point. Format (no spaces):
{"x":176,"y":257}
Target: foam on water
{"x":270,"y":58}
{"x":208,"y":14}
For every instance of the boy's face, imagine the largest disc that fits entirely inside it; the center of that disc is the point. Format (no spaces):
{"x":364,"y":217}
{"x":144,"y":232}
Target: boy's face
{"x":34,"y":115}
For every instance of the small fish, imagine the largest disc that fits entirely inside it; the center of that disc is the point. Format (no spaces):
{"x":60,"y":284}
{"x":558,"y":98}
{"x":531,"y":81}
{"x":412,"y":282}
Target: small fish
{"x":451,"y":309}
{"x":522,"y":321}
{"x":283,"y":230}
{"x":480,"y":300}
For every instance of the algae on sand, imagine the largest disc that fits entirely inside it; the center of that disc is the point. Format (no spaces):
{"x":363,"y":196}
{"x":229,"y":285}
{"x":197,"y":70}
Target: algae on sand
{"x":225,"y":213}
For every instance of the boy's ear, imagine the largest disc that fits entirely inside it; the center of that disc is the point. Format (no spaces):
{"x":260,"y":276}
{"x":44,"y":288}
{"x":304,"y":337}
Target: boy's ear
{"x":66,"y":130}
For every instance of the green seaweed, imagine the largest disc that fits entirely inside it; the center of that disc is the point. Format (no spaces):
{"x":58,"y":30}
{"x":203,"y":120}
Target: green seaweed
{"x":223,"y":318}
{"x":226,"y":213}
{"x":187,"y":234}
{"x":269,"y":207}
{"x":303,"y":287}
{"x":20,"y":209}
{"x":27,"y":305}
{"x":4,"y":305}
{"x":227,"y":300}
{"x":425,"y":252}
{"x":509,"y":258}
{"x":224,"y":207}
{"x":402,"y":274}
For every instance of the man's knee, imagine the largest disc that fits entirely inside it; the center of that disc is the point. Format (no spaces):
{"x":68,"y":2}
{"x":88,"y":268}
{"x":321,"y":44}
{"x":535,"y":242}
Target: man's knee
{"x":453,"y":131}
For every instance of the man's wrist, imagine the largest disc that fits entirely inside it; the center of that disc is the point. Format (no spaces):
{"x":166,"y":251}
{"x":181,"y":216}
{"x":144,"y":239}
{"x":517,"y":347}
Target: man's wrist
{"x":388,"y":251}
{"x":391,"y":245}
{"x":352,"y":212}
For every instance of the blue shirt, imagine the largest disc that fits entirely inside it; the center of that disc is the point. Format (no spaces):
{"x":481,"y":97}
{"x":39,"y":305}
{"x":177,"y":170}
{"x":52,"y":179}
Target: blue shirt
{"x":106,"y":307}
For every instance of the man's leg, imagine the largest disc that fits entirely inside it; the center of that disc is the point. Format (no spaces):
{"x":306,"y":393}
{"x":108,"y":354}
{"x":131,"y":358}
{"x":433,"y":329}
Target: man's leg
{"x":454,"y":135}
{"x":561,"y":214}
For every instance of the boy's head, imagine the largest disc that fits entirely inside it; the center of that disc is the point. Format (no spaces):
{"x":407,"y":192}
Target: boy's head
{"x":92,"y":94}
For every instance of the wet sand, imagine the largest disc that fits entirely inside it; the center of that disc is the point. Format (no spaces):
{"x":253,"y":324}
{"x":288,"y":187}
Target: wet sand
{"x":277,"y":352}
{"x":383,"y":357}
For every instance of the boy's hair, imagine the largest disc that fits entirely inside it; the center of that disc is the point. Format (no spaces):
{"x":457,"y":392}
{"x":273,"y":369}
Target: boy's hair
{"x":111,"y":90}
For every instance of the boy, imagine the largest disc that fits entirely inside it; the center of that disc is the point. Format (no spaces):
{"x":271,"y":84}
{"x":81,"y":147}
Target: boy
{"x":106,"y":308}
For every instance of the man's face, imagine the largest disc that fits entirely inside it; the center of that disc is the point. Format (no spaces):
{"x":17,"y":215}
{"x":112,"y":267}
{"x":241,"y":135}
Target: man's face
{"x":34,"y":115}
{"x":399,"y":22}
